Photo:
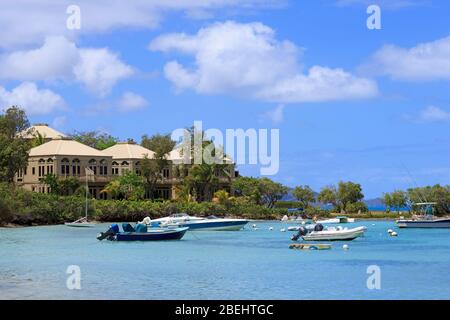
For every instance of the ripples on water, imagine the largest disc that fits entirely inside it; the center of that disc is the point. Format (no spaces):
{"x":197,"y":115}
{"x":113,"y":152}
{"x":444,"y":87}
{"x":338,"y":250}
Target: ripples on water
{"x":250,"y":264}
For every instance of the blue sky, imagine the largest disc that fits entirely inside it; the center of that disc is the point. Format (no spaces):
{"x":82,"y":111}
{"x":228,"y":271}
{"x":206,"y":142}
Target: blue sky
{"x":371,"y":106}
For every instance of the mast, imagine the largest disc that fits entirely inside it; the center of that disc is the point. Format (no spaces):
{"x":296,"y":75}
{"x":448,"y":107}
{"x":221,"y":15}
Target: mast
{"x":87,"y":190}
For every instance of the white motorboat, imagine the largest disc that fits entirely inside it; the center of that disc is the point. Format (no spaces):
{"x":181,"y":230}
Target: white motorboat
{"x":336,"y":220}
{"x":211,"y":223}
{"x":428,"y":220}
{"x":335,"y":234}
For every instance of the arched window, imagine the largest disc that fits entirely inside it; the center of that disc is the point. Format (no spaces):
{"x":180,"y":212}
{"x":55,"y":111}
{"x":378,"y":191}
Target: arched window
{"x":103,"y":167}
{"x":125,"y":163}
{"x":93,"y":165}
{"x":65,"y":166}
{"x":76,"y":168}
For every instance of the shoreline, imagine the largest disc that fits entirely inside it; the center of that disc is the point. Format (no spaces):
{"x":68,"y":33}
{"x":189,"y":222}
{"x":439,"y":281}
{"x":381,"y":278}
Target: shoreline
{"x":15,"y":225}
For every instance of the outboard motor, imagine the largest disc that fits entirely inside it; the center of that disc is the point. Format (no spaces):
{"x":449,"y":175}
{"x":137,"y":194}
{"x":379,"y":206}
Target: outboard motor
{"x":110,"y":233}
{"x":301,"y":232}
{"x":318,"y":227}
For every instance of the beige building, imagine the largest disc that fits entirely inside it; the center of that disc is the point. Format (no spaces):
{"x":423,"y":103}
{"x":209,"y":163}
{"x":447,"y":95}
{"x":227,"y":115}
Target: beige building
{"x":66,"y":158}
{"x":43,"y":130}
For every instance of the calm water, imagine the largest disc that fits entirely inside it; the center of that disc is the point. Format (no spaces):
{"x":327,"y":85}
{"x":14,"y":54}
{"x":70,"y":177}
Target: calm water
{"x":251,"y":264}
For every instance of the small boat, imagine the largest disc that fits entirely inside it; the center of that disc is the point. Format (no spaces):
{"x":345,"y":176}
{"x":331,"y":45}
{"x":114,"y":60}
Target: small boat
{"x":328,"y":233}
{"x":335,"y":234}
{"x":211,"y":223}
{"x":341,"y":219}
{"x":310,"y":246}
{"x":141,"y":233}
{"x":428,"y":220}
{"x":424,"y":223}
{"x":81,"y":223}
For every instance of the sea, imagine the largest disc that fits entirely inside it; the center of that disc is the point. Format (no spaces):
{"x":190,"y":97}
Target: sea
{"x":59,"y":262}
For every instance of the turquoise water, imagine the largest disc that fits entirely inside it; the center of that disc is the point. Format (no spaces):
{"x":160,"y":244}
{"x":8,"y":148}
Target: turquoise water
{"x":250,"y":264}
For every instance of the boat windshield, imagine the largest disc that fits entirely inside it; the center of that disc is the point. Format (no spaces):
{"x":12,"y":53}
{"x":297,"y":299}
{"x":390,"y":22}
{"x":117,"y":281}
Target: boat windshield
{"x":179,"y":215}
{"x":212,"y":217}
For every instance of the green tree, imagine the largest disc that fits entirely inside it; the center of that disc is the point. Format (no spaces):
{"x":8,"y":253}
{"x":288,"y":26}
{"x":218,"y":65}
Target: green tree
{"x":304,"y":195}
{"x":437,"y":194}
{"x":129,"y":186}
{"x":151,"y":169}
{"x":160,"y":144}
{"x":345,"y":195}
{"x":349,"y":192}
{"x":395,"y":200}
{"x":94,"y":139}
{"x":261,"y":191}
{"x":328,"y":195}
{"x":38,"y":139}
{"x":13,"y":147}
{"x":61,"y":186}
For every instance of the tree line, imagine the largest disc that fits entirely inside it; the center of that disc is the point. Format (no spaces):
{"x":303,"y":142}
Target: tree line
{"x":199,"y":182}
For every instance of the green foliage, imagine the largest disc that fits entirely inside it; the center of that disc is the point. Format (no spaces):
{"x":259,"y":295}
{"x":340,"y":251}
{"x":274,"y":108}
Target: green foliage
{"x":346,"y":197}
{"x":328,"y":195}
{"x":437,"y":193}
{"x":356,"y":207}
{"x":26,"y":208}
{"x":349,"y":193}
{"x":61,"y":186}
{"x":304,"y":195}
{"x":151,"y":169}
{"x":129,"y":186}
{"x":13,"y":147}
{"x":261,"y":191}
{"x":160,"y":144}
{"x":95,"y":139}
{"x":395,"y":200}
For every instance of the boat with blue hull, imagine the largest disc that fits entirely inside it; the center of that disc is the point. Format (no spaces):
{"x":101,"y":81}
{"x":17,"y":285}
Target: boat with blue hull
{"x":211,"y":223}
{"x":141,"y":233}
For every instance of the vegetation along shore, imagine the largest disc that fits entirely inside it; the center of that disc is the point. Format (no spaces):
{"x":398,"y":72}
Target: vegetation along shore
{"x":131,"y":195}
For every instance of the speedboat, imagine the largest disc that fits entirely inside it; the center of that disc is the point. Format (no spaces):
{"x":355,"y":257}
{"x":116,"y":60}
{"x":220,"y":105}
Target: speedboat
{"x":424,"y":223}
{"x":329,"y":233}
{"x":335,"y":234}
{"x":211,"y":223}
{"x":141,"y":233}
{"x":336,"y":220}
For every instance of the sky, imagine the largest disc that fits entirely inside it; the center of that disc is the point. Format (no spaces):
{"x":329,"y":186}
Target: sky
{"x":351,"y":103}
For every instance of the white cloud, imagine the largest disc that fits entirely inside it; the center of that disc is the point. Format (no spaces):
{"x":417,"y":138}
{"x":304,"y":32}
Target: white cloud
{"x":434,"y":114}
{"x":59,"y":122}
{"x":131,"y":101}
{"x":59,"y":59}
{"x":99,"y":70}
{"x":388,"y":4}
{"x":424,"y":62}
{"x":247,"y":60}
{"x":53,"y":60}
{"x":33,"y":100}
{"x":28,"y":22}
{"x":276,"y":115}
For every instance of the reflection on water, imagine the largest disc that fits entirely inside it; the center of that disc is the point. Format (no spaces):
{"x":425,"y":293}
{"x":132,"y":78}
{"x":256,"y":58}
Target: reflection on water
{"x":250,"y":264}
